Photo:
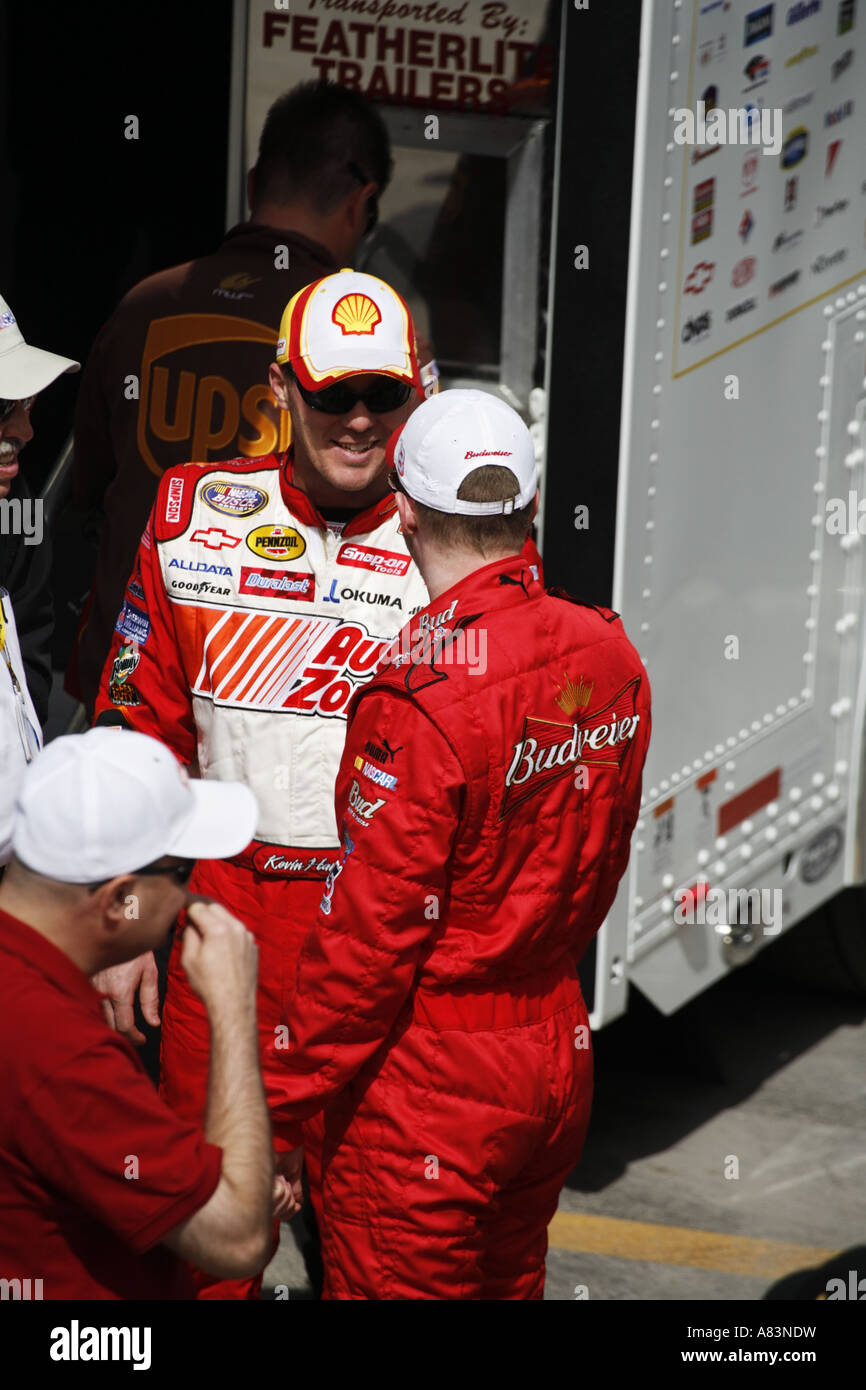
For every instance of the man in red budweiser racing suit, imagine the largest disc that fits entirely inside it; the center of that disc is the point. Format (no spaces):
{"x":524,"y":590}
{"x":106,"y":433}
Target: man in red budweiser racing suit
{"x":262,"y":596}
{"x":487,"y":794}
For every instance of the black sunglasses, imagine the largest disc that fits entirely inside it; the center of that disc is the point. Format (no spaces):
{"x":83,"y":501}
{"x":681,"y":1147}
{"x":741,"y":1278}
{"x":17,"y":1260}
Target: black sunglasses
{"x":389,"y":394}
{"x":8,"y":408}
{"x":372,"y":201}
{"x":181,"y":873}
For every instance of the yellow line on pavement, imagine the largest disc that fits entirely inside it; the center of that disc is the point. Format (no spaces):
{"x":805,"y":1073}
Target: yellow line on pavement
{"x":679,"y":1245}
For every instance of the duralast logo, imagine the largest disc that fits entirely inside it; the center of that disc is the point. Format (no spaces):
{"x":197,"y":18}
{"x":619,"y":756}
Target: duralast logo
{"x":276,"y":542}
{"x":548,"y":750}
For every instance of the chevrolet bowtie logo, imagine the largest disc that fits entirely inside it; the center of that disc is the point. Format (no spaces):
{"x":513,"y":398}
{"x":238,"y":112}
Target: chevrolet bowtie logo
{"x":215,"y":538}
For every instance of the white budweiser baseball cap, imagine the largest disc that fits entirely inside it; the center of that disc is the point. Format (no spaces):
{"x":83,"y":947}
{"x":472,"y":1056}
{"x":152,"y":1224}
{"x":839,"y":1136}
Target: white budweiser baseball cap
{"x":108,"y":802}
{"x":25,"y":370}
{"x":346,"y":324}
{"x":448,"y":437}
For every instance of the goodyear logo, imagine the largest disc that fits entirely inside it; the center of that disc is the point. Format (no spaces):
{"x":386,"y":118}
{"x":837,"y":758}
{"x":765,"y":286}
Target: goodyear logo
{"x":234,"y":499}
{"x":276,"y":542}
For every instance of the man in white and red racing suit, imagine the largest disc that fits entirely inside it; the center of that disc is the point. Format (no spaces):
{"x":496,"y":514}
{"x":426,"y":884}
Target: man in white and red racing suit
{"x":263,"y":593}
{"x":487,"y":794}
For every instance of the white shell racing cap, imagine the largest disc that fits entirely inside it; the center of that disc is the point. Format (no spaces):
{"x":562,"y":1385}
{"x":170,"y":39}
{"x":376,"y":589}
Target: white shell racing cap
{"x":448,"y":437}
{"x":25,"y":370}
{"x":107,"y":802}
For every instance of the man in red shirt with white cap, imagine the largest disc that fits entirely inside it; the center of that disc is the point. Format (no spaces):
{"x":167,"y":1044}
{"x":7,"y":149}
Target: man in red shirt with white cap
{"x":486,"y":798}
{"x":263,"y":594}
{"x":102,"y":1186}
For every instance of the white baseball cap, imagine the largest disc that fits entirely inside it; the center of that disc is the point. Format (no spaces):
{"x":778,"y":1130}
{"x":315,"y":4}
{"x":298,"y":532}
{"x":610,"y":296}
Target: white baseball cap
{"x":448,"y":437}
{"x":346,"y":324}
{"x":25,"y":370}
{"x":108,"y":802}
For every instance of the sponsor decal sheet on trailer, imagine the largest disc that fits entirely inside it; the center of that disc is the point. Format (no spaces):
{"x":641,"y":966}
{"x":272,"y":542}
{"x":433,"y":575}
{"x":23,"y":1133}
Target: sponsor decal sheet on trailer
{"x":740,"y":539}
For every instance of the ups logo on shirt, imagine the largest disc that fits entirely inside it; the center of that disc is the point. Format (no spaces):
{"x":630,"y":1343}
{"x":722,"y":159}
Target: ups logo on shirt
{"x":189,"y":408}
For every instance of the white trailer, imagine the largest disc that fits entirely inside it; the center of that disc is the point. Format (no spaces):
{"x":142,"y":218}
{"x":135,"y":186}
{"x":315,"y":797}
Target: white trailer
{"x":702,"y":445}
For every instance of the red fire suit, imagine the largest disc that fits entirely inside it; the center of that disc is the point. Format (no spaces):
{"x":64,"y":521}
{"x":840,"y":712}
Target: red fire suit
{"x":247,"y":625}
{"x":487,"y":794}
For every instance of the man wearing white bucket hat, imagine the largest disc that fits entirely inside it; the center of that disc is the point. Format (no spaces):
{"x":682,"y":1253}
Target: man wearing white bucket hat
{"x":25,"y":599}
{"x":437,"y":1016}
{"x":102,"y":1186}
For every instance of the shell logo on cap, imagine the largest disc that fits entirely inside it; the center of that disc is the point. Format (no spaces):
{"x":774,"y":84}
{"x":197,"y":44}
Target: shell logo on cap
{"x":356,"y":313}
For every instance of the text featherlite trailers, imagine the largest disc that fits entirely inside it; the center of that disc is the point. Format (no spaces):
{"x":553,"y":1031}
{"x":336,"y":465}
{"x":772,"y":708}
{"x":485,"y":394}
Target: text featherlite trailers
{"x":730,"y":386}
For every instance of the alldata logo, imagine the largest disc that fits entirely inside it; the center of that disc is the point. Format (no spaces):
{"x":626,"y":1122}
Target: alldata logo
{"x":795,"y":148}
{"x":699,"y":278}
{"x":796,"y":103}
{"x":759,"y":25}
{"x":743,"y":272}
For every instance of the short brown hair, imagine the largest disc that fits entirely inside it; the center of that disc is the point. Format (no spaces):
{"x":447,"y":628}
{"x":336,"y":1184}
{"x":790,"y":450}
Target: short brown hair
{"x":484,"y":534}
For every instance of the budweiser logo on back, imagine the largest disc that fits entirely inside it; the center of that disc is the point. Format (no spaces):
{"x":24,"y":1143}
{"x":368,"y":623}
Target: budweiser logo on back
{"x":548,"y":750}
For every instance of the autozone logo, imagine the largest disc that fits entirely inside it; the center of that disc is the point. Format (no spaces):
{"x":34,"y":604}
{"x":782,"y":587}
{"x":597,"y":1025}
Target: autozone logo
{"x":173,"y":501}
{"x":277,"y":584}
{"x":346,"y":657}
{"x":380,"y":561}
{"x":215,"y":538}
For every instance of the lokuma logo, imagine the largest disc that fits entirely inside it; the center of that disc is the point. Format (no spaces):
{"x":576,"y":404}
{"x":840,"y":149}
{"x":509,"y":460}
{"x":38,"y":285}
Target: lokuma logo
{"x":548,"y":750}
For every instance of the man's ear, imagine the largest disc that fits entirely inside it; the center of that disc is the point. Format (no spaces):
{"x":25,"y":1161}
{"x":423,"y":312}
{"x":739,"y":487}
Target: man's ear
{"x":279,"y":385}
{"x":116,"y":902}
{"x":408,"y":514}
{"x":533,"y":514}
